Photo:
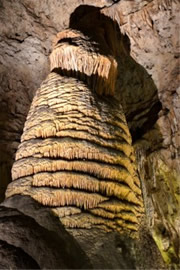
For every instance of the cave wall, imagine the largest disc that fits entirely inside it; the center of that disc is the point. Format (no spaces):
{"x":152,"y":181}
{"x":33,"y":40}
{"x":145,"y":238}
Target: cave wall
{"x":147,"y":87}
{"x":152,"y":31}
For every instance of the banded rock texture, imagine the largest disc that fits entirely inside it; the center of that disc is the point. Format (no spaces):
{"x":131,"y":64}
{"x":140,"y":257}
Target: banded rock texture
{"x":75,"y":153}
{"x":78,"y":56}
{"x":27,"y":28}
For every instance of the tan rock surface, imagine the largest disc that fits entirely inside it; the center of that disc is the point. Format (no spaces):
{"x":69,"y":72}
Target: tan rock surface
{"x":148,"y":73}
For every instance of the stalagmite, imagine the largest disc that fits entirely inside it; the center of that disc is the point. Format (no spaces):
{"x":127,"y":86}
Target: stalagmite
{"x":75,"y":153}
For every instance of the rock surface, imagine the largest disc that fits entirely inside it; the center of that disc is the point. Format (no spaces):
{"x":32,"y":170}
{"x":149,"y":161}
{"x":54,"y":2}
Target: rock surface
{"x":23,"y":221}
{"x":21,"y":227}
{"x":147,"y":87}
{"x":152,"y":30}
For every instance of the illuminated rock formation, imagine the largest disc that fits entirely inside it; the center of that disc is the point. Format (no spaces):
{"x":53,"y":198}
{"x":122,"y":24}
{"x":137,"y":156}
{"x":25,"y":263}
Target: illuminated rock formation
{"x":75,"y":153}
{"x":147,"y":87}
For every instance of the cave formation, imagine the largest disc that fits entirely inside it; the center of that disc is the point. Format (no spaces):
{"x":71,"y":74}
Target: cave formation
{"x":89,"y":180}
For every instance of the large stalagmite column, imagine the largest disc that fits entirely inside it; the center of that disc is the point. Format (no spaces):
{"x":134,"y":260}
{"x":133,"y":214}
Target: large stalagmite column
{"x":75,"y":154}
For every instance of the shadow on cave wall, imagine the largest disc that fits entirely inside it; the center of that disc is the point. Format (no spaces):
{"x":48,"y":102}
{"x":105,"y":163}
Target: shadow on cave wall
{"x":135,"y":89}
{"x":11,"y":125}
{"x":9,"y":141}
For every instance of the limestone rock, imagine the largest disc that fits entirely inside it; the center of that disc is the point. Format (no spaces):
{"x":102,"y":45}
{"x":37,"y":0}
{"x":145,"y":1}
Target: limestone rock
{"x":147,"y":87}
